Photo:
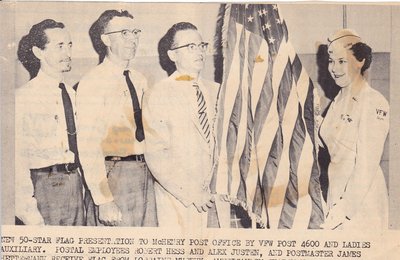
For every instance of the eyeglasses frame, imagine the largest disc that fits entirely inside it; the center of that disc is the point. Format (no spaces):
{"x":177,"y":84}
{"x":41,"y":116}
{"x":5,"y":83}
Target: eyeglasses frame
{"x":135,"y":32}
{"x":187,"y":45}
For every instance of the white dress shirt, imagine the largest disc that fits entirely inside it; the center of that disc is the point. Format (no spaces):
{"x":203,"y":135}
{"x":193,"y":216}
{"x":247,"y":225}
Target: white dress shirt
{"x":41,"y":138}
{"x":106,"y":126}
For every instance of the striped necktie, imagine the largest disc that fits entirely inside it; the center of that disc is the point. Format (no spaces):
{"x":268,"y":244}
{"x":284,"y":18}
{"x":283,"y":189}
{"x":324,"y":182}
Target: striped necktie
{"x":202,"y":113}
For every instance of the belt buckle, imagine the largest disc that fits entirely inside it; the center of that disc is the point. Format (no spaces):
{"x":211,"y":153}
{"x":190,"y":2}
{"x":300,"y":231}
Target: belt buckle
{"x":140,"y":157}
{"x":66,"y":168}
{"x":116,"y":158}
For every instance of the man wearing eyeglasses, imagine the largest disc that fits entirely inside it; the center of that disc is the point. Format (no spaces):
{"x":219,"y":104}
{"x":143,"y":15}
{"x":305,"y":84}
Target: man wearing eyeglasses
{"x":110,"y":124}
{"x":178,"y":117}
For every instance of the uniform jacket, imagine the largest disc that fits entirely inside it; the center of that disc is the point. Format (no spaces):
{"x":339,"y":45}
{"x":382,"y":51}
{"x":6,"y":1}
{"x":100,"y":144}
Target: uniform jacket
{"x":354,"y":131}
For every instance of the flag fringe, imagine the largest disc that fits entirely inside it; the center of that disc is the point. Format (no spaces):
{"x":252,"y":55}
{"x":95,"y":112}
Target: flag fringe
{"x":245,"y":205}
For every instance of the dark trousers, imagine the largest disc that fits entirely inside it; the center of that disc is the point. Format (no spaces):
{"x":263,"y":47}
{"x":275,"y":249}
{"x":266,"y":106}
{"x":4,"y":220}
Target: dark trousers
{"x":132,"y":186}
{"x":59,"y":196}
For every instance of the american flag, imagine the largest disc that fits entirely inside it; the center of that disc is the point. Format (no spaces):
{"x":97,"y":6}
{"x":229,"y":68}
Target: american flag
{"x":265,"y":130}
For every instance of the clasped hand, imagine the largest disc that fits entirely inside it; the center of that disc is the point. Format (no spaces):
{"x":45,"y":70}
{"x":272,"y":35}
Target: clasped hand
{"x":204,"y":202}
{"x":109,"y":214}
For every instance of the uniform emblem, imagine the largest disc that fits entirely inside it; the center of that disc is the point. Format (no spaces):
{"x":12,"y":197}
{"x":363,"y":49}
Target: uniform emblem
{"x":381,"y":114}
{"x":346,"y":118}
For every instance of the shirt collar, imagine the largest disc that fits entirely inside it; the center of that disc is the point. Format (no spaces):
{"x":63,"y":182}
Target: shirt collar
{"x":355,"y":98}
{"x":115,"y":68}
{"x":47,"y":81}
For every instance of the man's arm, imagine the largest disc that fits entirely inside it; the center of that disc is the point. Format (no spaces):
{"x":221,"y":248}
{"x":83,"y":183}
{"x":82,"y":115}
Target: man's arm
{"x":91,"y":131}
{"x":25,"y":204}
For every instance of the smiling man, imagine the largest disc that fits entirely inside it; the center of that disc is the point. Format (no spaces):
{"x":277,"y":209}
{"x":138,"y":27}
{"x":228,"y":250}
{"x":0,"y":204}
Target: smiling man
{"x":111,"y":135}
{"x":48,"y":183}
{"x":178,"y":120}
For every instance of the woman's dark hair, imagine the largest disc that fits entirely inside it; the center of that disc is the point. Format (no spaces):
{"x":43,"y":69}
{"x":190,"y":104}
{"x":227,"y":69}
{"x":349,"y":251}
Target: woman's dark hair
{"x":166,"y":43}
{"x":98,"y":27}
{"x":36,"y":37}
{"x":362,"y":51}
{"x":325,"y":79}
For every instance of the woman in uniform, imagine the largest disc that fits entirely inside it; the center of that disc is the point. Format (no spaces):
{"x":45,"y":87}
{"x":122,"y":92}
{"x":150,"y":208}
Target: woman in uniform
{"x":354,"y":132}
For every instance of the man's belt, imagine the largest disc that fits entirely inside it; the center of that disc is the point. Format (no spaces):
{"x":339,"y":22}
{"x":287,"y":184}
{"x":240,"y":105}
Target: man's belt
{"x":64,"y":167}
{"x":135,"y":157}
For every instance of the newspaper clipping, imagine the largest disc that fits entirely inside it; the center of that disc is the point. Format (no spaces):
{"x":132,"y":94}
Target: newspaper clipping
{"x":154,"y":131}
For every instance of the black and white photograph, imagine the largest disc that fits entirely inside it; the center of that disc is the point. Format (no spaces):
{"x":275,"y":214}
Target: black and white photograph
{"x":199,"y":130}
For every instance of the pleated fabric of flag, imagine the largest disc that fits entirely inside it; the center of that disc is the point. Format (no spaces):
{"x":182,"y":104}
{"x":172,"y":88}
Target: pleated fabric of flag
{"x":267,"y":160}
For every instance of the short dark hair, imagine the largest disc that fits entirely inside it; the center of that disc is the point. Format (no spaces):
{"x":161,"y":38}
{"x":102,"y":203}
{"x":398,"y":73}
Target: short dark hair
{"x":98,"y":27}
{"x":36,"y":37}
{"x":166,"y":43}
{"x":362,"y":51}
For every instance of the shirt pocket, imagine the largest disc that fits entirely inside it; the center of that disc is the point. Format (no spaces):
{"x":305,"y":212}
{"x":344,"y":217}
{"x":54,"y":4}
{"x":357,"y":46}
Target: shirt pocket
{"x":42,"y":125}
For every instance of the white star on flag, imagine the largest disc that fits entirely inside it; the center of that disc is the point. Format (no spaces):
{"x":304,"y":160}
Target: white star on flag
{"x":250,"y":19}
{"x":264,"y":12}
{"x":271,"y":40}
{"x":266,"y":26}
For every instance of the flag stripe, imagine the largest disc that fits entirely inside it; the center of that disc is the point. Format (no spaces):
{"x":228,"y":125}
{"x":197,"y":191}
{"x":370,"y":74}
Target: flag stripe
{"x":236,"y":131}
{"x":277,"y":195}
{"x":248,"y":183}
{"x":267,"y":161}
{"x":242,"y":126}
{"x":259,"y":75}
{"x":229,"y":98}
{"x":258,"y":56}
{"x":299,"y":178}
{"x":304,"y":205}
{"x":291,"y":196}
{"x":310,"y":203}
{"x":317,"y":212}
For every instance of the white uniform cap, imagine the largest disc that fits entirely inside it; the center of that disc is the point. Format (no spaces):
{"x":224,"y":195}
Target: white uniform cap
{"x":344,"y":37}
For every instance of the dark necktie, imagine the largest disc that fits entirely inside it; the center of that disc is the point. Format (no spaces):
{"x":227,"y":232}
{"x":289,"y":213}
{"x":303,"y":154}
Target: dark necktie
{"x":70,"y":120}
{"x":202,"y":112}
{"x":137,"y":112}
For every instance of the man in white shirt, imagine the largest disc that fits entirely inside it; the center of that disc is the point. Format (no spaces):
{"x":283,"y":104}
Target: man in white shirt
{"x":178,"y":114}
{"x":48,"y":184}
{"x":111,"y":138}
